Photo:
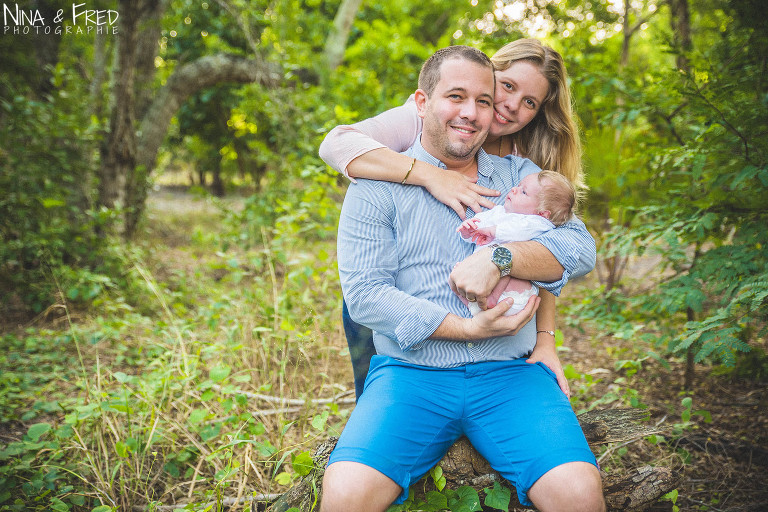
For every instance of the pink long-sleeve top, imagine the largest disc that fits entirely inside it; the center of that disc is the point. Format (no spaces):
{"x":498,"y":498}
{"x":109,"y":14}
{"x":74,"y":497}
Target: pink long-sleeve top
{"x":396,"y":128}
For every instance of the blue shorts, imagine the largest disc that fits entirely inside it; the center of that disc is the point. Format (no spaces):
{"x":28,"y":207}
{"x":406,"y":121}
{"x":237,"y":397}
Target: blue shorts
{"x":513,"y":413}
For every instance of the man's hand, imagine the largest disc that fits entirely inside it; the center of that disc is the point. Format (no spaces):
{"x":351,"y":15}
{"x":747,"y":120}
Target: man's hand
{"x":493,"y":322}
{"x":547,"y":353}
{"x":475,"y":277}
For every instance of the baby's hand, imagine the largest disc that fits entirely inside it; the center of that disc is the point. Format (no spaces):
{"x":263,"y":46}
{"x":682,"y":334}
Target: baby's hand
{"x":484,"y":235}
{"x":468,"y":227}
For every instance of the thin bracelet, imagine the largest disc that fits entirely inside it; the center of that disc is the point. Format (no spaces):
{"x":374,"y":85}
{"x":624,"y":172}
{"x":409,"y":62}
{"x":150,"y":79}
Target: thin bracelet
{"x":548,"y":332}
{"x":409,"y":172}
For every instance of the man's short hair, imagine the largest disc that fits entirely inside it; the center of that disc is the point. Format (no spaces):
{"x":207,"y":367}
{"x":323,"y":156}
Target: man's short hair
{"x":430,"y":71}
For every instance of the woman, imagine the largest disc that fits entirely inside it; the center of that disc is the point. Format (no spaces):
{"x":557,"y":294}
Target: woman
{"x":533,"y":118}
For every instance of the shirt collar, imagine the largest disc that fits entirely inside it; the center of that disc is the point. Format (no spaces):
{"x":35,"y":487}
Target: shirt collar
{"x":484,"y":164}
{"x":418,"y":152}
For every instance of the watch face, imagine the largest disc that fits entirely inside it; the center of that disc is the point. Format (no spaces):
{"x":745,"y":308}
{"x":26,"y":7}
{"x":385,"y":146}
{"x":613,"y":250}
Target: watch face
{"x":502,"y":257}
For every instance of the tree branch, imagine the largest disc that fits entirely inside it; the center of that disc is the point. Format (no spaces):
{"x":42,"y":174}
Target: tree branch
{"x":189,"y":79}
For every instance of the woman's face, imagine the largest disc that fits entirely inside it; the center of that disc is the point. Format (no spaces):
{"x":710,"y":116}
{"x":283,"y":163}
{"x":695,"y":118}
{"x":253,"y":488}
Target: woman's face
{"x":520,"y":90}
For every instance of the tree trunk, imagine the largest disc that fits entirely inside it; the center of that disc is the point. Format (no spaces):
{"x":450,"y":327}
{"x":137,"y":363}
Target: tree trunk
{"x":119,"y":151}
{"x":336,"y":43}
{"x":147,"y":44}
{"x":462,"y":465}
{"x":99,"y":74}
{"x":680,"y":20}
{"x":217,"y":184}
{"x":46,"y":47}
{"x":187,"y":80}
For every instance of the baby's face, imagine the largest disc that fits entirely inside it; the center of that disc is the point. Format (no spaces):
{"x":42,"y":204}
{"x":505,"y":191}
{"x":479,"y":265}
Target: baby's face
{"x":524,"y":198}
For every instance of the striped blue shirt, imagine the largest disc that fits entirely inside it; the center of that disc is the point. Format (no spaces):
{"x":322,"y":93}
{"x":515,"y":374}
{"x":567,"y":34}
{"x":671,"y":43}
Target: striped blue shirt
{"x":397,"y":246}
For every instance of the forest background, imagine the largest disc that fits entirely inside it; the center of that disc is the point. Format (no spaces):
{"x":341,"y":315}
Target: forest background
{"x":168,"y":285}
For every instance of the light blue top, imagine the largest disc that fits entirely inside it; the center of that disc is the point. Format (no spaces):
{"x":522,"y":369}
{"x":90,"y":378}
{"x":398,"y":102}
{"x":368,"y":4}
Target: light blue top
{"x":397,"y":245}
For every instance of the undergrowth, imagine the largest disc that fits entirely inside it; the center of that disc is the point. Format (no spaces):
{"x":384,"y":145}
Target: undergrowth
{"x":213,"y":388}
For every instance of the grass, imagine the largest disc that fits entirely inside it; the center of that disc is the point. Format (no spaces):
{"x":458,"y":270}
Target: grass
{"x":211,"y":389}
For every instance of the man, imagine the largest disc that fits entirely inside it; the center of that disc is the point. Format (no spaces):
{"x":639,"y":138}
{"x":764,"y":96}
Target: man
{"x":438,"y":374}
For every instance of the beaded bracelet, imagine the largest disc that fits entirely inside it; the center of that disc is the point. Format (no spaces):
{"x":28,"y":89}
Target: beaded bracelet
{"x":548,"y":332}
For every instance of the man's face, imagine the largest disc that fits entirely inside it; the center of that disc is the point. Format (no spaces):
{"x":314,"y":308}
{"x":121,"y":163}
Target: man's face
{"x":458,"y":113}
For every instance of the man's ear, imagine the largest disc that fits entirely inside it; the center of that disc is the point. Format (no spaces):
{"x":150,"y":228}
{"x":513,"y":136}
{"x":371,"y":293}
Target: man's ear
{"x":421,"y":98}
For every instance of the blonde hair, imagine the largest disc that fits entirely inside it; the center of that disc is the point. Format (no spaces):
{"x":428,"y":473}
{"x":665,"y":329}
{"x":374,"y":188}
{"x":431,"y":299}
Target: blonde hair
{"x":558,"y":195}
{"x":551,"y":139}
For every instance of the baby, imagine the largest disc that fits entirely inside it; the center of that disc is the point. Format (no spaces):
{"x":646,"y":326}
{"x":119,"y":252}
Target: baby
{"x":539,"y":203}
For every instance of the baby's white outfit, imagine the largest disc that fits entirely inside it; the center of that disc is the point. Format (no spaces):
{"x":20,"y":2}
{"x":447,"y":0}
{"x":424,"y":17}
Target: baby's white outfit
{"x":511,"y":227}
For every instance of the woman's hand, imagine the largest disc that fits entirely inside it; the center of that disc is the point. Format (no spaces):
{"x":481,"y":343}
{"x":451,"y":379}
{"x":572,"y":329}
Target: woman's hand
{"x":547,"y":353}
{"x":457,"y":192}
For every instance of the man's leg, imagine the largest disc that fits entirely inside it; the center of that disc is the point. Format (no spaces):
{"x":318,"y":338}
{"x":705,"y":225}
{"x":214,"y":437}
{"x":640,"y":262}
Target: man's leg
{"x":401,"y":427}
{"x":574,"y":486}
{"x":523,"y":424}
{"x":353,"y":487}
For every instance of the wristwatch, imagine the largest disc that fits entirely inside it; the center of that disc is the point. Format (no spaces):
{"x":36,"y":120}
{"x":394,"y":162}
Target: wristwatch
{"x":502,"y":258}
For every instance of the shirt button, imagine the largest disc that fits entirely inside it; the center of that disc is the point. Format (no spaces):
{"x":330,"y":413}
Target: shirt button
{"x":470,"y":345}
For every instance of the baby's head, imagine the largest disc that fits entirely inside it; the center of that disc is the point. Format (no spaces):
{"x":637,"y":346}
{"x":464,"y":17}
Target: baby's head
{"x":546,"y":193}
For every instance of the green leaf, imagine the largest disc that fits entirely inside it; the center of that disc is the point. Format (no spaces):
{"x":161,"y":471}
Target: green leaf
{"x":219,"y":373}
{"x":172,"y":469}
{"x":122,"y":449}
{"x":438,"y":478}
{"x":436,"y":500}
{"x":302,"y":463}
{"x":571,"y":373}
{"x":210,"y":432}
{"x":465,"y":499}
{"x":283,"y":478}
{"x":319,"y":421}
{"x":121,"y":377}
{"x":37,"y":430}
{"x":197,"y":415}
{"x":77,"y":499}
{"x":58,"y":505}
{"x":498,"y":497}
{"x":670,"y":496}
{"x":705,"y":415}
{"x":52,"y":203}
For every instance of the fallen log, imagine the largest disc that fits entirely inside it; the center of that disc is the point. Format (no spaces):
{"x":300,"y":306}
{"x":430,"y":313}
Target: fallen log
{"x":463,"y":465}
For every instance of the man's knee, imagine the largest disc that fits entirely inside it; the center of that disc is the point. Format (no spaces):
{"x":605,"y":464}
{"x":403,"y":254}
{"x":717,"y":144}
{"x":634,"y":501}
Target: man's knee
{"x":351,"y":486}
{"x":575,"y":486}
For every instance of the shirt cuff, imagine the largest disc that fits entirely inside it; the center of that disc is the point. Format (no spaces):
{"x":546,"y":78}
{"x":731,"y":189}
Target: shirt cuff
{"x":554,"y":287}
{"x":412,"y":332}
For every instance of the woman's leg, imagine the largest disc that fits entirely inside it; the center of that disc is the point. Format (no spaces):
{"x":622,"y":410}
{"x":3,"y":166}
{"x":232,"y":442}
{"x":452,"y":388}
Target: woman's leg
{"x":361,"y":349}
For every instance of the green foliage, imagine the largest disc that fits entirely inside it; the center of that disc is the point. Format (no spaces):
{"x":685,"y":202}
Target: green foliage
{"x":704,"y":214}
{"x":49,"y":239}
{"x":164,"y":403}
{"x":672,"y":496}
{"x":151,"y":404}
